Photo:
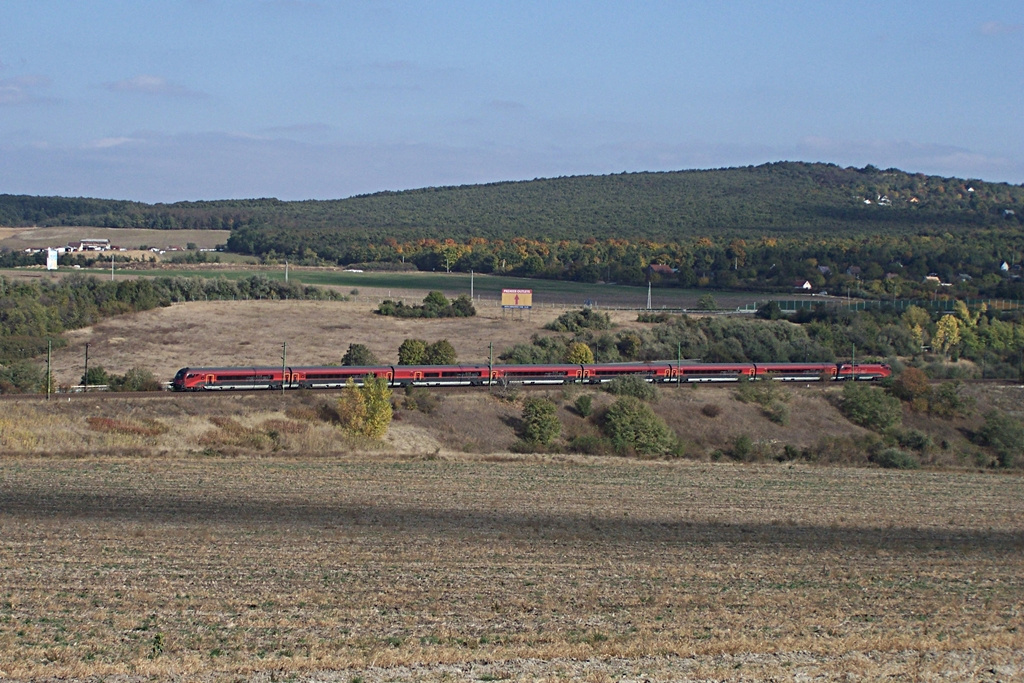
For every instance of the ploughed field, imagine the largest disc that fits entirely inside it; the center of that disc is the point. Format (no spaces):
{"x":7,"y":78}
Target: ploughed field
{"x":519,"y":567}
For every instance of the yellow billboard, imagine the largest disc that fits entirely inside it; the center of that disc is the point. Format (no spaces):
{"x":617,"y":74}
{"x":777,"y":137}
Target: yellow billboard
{"x":517,"y":298}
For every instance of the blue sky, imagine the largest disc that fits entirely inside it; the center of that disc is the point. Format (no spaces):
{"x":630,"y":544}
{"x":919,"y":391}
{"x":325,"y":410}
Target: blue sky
{"x":307,"y":99}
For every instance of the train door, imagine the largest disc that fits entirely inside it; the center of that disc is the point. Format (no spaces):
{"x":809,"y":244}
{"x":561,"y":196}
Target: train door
{"x":211,"y":380}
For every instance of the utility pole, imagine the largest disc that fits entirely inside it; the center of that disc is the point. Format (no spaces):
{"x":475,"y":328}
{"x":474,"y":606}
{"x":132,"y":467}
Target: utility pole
{"x":648,"y":295}
{"x":471,"y":297}
{"x":286,"y":270}
{"x":490,"y":365}
{"x":284,"y":364}
{"x":85,"y":377}
{"x":48,"y":351}
{"x":111,"y":266}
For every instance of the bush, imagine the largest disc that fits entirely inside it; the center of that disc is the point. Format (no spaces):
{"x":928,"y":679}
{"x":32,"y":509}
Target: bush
{"x":777,"y":413}
{"x":913,"y":439}
{"x":631,"y":424}
{"x":584,"y":405}
{"x":419,"y":398}
{"x":632,"y":385}
{"x":870,"y":407}
{"x":590,"y":445}
{"x":1004,"y":435}
{"x":763,"y":392}
{"x":577,"y":321}
{"x":946,"y":401}
{"x":135,"y":379}
{"x":711,"y":409}
{"x":359,"y":355}
{"x":578,"y":353}
{"x":911,"y":386}
{"x":742,"y":448}
{"x":540,"y":421}
{"x":894,"y":458}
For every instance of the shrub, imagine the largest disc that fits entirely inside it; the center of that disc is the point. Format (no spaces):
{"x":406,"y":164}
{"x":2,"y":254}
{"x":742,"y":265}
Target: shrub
{"x":97,"y":376}
{"x":540,"y":421}
{"x":913,"y":439}
{"x":632,"y":385}
{"x":359,"y":355}
{"x":412,"y":352}
{"x":911,"y":385}
{"x":1004,"y":435}
{"x":711,"y":409}
{"x":589,"y":444}
{"x":630,"y":423}
{"x":135,"y":379}
{"x":577,"y":321}
{"x":946,"y":401}
{"x":742,"y":448}
{"x":894,"y":458}
{"x":584,"y":405}
{"x":763,"y":392}
{"x":441,"y":352}
{"x":579,"y":353}
{"x":777,"y":413}
{"x":870,"y":407}
{"x":419,"y":398}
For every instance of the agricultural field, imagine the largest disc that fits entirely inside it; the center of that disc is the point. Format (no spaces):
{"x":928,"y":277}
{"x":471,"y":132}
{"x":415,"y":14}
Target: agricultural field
{"x":379,"y":567}
{"x":17,"y":239}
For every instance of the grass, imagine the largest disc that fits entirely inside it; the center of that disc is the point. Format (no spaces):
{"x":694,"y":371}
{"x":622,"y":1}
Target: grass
{"x":170,"y":566}
{"x":546,"y":292}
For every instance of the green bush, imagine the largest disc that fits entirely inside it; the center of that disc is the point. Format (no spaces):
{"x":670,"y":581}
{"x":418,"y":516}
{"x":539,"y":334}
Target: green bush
{"x":540,"y":421}
{"x":870,"y":407}
{"x":590,"y":445}
{"x":913,"y":439}
{"x":777,"y":413}
{"x":763,"y":392}
{"x":584,"y":405}
{"x":743,"y":448}
{"x":577,"y":321}
{"x":894,"y":458}
{"x":1004,"y":435}
{"x":135,"y":379}
{"x":631,"y":424}
{"x":632,"y":385}
{"x":359,"y":355}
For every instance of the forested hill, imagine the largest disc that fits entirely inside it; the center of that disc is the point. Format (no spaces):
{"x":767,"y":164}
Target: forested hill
{"x":786,"y":198}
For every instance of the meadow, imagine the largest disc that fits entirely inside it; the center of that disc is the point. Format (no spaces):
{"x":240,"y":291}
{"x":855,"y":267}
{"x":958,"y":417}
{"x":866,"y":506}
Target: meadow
{"x":375,"y":567}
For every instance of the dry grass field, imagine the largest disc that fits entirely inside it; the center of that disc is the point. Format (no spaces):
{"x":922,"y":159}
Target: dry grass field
{"x":379,"y":568}
{"x":220,"y":333}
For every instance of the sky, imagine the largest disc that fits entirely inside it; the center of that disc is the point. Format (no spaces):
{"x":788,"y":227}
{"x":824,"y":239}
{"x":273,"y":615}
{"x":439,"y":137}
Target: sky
{"x":318,"y":99}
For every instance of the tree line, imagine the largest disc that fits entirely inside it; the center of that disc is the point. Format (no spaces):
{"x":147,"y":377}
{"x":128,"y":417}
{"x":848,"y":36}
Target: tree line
{"x":33,"y":315}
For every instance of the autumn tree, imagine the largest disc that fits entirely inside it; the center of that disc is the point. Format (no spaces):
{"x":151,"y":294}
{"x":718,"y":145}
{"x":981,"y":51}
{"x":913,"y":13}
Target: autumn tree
{"x":579,"y":353}
{"x":366,"y":410}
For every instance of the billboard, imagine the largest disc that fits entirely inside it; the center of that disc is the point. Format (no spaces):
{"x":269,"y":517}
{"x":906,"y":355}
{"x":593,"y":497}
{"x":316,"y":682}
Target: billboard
{"x":517,"y":298}
{"x":51,"y":259}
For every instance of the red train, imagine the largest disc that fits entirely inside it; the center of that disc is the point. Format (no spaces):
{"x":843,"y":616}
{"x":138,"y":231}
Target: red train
{"x":200,"y":379}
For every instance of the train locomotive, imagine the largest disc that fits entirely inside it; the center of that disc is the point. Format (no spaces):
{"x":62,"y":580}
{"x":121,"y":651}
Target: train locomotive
{"x":397,"y":376}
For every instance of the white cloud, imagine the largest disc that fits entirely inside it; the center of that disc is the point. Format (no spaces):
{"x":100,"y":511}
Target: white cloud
{"x":23,"y":90}
{"x":151,"y":85}
{"x":107,"y":143}
{"x":997,"y":28}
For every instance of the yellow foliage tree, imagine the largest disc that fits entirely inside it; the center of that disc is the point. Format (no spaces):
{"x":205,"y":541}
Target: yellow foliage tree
{"x":579,"y":353}
{"x":947,"y":333}
{"x":352,"y":408}
{"x":366,"y":410}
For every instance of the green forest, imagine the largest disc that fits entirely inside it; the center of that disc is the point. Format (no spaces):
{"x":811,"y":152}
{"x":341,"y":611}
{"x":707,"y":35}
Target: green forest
{"x":870,"y":232}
